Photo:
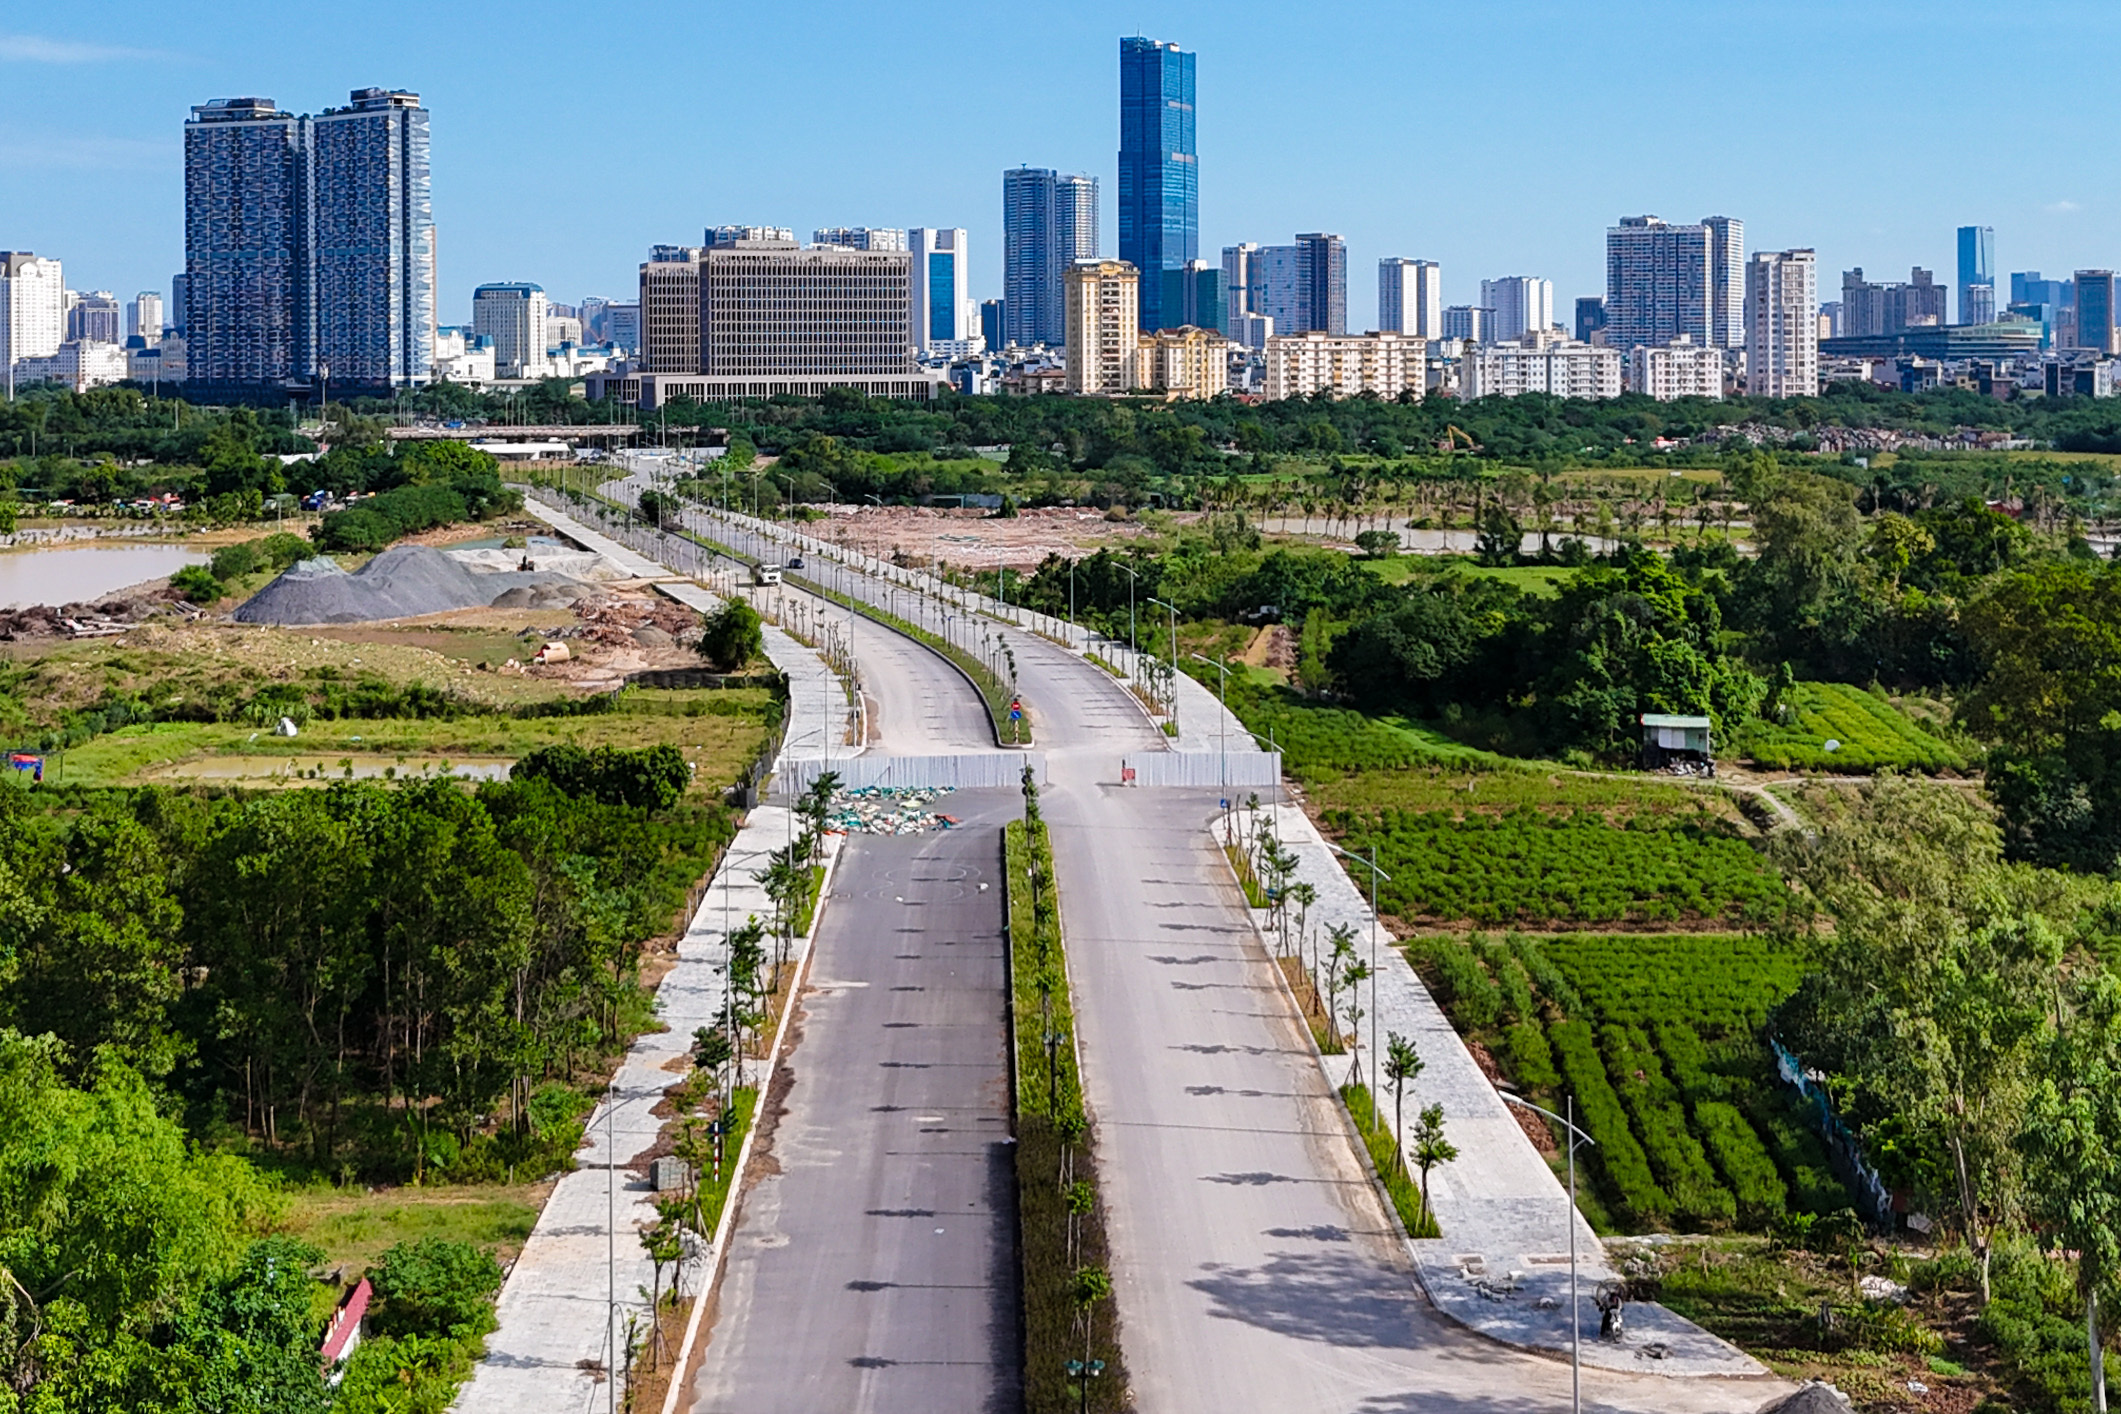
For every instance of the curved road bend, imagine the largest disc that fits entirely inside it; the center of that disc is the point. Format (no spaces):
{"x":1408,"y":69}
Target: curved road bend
{"x":1255,"y":1266}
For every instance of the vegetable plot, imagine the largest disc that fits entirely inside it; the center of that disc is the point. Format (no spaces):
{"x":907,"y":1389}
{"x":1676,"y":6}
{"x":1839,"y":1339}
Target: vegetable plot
{"x":1871,"y":733}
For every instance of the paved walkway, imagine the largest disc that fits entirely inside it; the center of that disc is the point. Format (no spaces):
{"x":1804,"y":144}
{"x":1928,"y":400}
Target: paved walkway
{"x":580,"y":1275}
{"x":1502,"y":1211}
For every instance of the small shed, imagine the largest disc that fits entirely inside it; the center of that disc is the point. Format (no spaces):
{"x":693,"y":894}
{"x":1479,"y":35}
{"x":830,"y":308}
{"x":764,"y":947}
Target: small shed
{"x":343,"y":1336}
{"x":1669,"y":741}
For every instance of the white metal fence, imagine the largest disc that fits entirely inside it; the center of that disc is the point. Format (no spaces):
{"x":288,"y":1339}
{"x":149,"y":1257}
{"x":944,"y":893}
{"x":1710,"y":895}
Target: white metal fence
{"x":969,"y":772}
{"x":1242,"y":769}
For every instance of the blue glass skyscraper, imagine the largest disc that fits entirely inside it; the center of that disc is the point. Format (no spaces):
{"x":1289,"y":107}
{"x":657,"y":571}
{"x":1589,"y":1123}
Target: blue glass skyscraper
{"x":1977,"y":274}
{"x":1159,"y":174}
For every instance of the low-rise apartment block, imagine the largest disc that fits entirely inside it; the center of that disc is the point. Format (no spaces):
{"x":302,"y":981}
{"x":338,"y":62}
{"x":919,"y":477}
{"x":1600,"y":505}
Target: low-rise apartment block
{"x":1539,"y":363}
{"x":1680,"y":369}
{"x":1386,"y":364}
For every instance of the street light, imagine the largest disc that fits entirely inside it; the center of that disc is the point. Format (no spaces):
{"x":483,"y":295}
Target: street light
{"x":1133,"y":651}
{"x":1082,"y":1374}
{"x":1575,"y":1323}
{"x":1375,"y":875}
{"x":1222,"y":726}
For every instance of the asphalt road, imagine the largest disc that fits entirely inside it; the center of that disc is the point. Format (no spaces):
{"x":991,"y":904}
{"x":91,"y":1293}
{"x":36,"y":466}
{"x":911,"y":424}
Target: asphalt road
{"x":874,"y":1266}
{"x":1254,"y":1266}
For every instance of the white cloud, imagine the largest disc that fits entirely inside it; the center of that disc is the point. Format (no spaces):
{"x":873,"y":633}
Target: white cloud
{"x":23,"y":151}
{"x":36,"y":49}
{"x":2063,"y":208}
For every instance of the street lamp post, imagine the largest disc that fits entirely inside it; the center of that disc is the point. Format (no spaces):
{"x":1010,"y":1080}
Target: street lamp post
{"x":1375,"y":875}
{"x":1172,"y":686}
{"x":1133,"y":650}
{"x":1575,"y":1322}
{"x":1222,"y":726}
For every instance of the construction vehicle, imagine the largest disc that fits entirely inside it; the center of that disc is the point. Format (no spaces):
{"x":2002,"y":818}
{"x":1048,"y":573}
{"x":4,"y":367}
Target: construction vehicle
{"x":1452,"y":436}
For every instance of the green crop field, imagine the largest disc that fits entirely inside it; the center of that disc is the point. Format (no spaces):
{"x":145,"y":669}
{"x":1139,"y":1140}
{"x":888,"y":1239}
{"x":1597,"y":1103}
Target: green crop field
{"x":1527,"y":867}
{"x":1657,"y":1038}
{"x":1872,"y":735}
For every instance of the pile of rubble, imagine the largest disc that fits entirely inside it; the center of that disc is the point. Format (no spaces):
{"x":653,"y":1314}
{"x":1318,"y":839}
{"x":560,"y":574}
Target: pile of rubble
{"x":887,"y":810}
{"x":650,"y":623}
{"x":98,"y":620}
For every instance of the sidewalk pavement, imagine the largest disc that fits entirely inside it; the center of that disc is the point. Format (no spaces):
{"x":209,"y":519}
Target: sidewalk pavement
{"x":1503,"y":1212}
{"x":583,"y":1274}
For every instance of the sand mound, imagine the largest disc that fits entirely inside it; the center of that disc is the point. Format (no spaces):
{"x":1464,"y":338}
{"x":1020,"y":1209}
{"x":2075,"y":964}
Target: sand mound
{"x":403,"y":582}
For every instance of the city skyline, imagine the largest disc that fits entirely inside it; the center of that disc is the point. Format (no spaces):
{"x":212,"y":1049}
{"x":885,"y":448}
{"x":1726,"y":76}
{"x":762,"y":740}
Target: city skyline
{"x":102,"y":191}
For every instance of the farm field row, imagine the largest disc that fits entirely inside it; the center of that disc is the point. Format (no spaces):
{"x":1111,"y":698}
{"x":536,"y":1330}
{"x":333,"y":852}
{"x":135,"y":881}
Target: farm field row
{"x":1868,"y":734}
{"x":1657,"y":1040}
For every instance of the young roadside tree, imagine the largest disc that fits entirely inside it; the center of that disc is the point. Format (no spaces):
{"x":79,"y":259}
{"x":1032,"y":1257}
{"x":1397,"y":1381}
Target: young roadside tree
{"x":1337,"y":959}
{"x":1431,"y":1149}
{"x":1351,"y":978}
{"x":1402,"y":1064}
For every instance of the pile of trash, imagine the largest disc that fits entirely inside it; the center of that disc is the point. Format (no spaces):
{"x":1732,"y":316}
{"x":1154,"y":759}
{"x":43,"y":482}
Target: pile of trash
{"x":887,"y":810}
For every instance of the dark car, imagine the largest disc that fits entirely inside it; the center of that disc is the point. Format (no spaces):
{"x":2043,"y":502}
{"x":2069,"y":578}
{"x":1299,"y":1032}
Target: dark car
{"x":795,"y":562}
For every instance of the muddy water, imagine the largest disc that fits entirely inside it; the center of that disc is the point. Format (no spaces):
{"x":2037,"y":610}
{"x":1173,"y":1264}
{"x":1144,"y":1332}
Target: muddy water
{"x":84,"y":573}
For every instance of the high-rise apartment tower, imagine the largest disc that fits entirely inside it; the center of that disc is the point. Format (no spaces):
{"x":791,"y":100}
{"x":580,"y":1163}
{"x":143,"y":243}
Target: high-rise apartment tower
{"x":1664,"y":281}
{"x":1782,"y":324}
{"x":1049,"y":221}
{"x":1159,"y":173}
{"x":1410,"y":297}
{"x":1522,"y":303}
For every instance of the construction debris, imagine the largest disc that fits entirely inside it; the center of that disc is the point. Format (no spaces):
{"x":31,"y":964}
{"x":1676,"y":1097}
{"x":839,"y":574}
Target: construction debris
{"x":887,"y":810}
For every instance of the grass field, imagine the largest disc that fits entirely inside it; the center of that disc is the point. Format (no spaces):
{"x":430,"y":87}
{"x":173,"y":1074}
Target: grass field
{"x":719,"y":732}
{"x":1870,"y":733}
{"x":353,"y":1226}
{"x":1545,"y":581}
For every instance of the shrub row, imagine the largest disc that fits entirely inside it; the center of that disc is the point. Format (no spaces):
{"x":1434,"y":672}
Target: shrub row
{"x":1675,"y":1153}
{"x":1627,"y":1169}
{"x":1474,"y":999}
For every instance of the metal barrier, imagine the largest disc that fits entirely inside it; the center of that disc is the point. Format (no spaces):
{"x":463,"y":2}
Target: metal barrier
{"x":1203,"y":769}
{"x":972,"y":772}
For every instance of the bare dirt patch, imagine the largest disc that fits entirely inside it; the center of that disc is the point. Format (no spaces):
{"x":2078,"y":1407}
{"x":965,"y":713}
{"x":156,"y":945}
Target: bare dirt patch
{"x":975,"y":539}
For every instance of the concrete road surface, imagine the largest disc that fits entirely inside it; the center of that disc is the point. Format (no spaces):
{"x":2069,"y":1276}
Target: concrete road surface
{"x":874,"y":1266}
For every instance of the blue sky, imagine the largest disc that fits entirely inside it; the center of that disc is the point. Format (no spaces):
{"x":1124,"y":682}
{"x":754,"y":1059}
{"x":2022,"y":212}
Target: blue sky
{"x":1498,"y":136}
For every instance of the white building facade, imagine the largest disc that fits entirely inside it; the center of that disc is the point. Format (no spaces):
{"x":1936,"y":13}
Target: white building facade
{"x":1539,"y":363}
{"x":1344,"y":365}
{"x":32,"y":309}
{"x":943,"y":315}
{"x":1410,"y":297}
{"x":1680,"y":369}
{"x":1782,"y":324}
{"x":514,"y":317}
{"x":1522,"y":304}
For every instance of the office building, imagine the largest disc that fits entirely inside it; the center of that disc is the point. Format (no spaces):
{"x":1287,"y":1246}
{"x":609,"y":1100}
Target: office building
{"x":1239,"y":264}
{"x":1410,"y":297}
{"x":80,"y":364}
{"x":1590,"y":318}
{"x":156,"y":364}
{"x":32,"y":310}
{"x":372,"y":244}
{"x":1661,"y":281}
{"x":862,"y":237}
{"x":516,"y":319}
{"x":1186,"y":362}
{"x":1385,"y":364}
{"x":1539,"y":363}
{"x":96,"y":318}
{"x":1193,"y":296}
{"x":670,"y":309}
{"x":622,"y":327}
{"x":2095,"y":311}
{"x":1681,"y":369}
{"x":1049,"y":221}
{"x":1468,"y":322}
{"x":1522,"y":304}
{"x":1977,"y":274}
{"x":309,"y":243}
{"x":177,"y":286}
{"x":730,"y":235}
{"x":2028,"y":288}
{"x":1302,"y":287}
{"x":940,"y":290}
{"x":1782,"y":324}
{"x":1159,"y":174}
{"x":1886,"y":307}
{"x":143,"y":318}
{"x":1250,"y":331}
{"x":1103,"y":303}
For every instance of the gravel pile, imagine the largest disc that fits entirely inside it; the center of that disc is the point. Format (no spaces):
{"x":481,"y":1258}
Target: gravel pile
{"x":403,"y":582}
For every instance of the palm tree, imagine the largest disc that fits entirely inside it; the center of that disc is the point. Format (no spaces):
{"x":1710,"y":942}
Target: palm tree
{"x":1402,"y":1063}
{"x":1430,"y":1149}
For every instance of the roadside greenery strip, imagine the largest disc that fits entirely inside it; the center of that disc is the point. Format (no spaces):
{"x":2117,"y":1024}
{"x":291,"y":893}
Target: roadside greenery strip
{"x":1385,"y":1155}
{"x":1066,"y":1282}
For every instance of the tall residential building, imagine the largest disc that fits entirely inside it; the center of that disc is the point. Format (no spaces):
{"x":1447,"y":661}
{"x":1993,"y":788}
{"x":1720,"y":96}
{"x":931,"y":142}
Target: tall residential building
{"x":1049,"y":221}
{"x":1386,"y":364}
{"x":247,"y":215}
{"x":940,"y":294}
{"x":1539,"y":363}
{"x":1469,"y":322}
{"x":670,"y":309}
{"x":143,"y":317}
{"x":1303,"y":287}
{"x":96,"y":318}
{"x":1977,"y":274}
{"x":1103,"y":302}
{"x":1681,"y":369}
{"x":1159,"y":174}
{"x":2095,"y":310}
{"x":993,"y":326}
{"x":1782,"y":324}
{"x":1194,"y":298}
{"x":1726,"y":281}
{"x":861,"y":237}
{"x":1659,"y":282}
{"x":373,"y":240}
{"x":1410,"y":297}
{"x":1522,"y":304}
{"x":32,"y":310}
{"x":1887,"y":307}
{"x":309,"y":242}
{"x":515,"y":317}
{"x":730,"y":235}
{"x":1590,"y":317}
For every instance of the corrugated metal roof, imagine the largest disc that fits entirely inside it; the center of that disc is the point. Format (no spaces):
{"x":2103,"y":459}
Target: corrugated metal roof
{"x":1661,"y":719}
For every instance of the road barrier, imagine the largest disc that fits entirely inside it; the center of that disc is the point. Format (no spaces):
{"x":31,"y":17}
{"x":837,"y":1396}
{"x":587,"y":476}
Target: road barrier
{"x":1204,"y":769}
{"x":971,"y":772}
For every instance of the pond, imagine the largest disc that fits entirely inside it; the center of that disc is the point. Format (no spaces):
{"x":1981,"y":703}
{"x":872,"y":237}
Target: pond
{"x":85,"y":573}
